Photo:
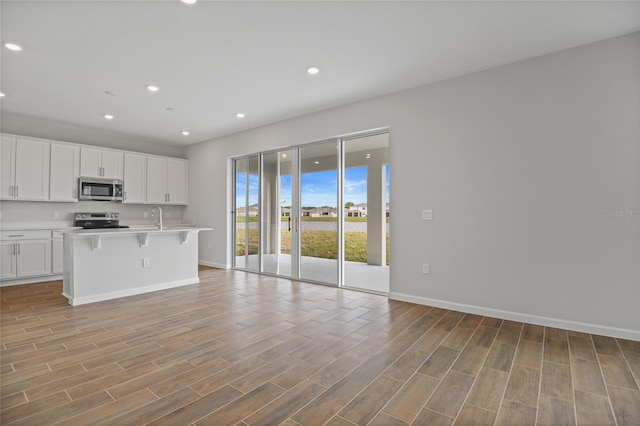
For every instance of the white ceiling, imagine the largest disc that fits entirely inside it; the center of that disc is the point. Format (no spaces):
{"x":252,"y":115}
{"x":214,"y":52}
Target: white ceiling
{"x":214,"y":59}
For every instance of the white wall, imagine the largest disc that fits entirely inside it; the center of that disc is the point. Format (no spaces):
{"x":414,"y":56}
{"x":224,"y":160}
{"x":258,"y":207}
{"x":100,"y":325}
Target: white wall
{"x":520,"y":164}
{"x":38,"y":128}
{"x":30,"y":214}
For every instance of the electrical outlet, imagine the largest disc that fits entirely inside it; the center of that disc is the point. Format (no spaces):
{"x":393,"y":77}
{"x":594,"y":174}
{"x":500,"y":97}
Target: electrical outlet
{"x":56,"y":215}
{"x":146,"y":262}
{"x":209,"y":245}
{"x":146,"y":215}
{"x":427,"y":214}
{"x":425,"y":268}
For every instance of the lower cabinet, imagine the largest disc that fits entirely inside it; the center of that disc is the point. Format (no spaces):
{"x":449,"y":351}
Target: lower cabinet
{"x":25,"y":254}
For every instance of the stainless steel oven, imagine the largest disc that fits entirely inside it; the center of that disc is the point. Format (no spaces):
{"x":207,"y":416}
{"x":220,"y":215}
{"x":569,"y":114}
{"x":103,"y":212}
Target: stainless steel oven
{"x":100,"y":189}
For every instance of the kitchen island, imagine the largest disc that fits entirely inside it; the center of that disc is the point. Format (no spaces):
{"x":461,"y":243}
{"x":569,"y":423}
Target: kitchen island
{"x":103,"y":264}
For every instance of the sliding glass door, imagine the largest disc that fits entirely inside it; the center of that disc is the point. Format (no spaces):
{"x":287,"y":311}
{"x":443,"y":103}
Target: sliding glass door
{"x":316,"y":212}
{"x":319,"y":243}
{"x":276,"y":219}
{"x":247,"y":210}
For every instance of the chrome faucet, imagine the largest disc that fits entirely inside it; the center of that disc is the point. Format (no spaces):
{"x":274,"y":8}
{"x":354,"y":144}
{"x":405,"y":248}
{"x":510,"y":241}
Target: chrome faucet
{"x":159,"y":221}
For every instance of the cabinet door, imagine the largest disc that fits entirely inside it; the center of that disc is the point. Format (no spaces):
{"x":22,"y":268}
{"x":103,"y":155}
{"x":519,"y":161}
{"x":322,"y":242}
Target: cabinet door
{"x":90,"y":162}
{"x":65,"y":169}
{"x":34,"y":258}
{"x":156,"y":180}
{"x":57,"y":256}
{"x":32,"y":170}
{"x":177,"y":181}
{"x":7,"y":260}
{"x":112,"y":164}
{"x":135,"y":178}
{"x":7,"y":166}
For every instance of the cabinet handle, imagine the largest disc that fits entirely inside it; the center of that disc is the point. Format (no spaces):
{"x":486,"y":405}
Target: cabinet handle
{"x":17,"y":190}
{"x":125,"y":196}
{"x":18,"y":245}
{"x":169,"y":197}
{"x":13,"y":248}
{"x":16,"y":235}
{"x":10,"y":190}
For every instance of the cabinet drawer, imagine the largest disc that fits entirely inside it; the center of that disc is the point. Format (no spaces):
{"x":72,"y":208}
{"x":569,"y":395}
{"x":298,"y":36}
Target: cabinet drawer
{"x":25,"y":235}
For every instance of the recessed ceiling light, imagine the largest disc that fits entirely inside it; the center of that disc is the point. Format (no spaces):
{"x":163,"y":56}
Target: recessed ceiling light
{"x":313,"y":70}
{"x":109,"y":116}
{"x":316,"y":162}
{"x":152,"y":88}
{"x":2,"y":95}
{"x":368,"y":155}
{"x":240,"y":115}
{"x":185,"y":133}
{"x":189,"y":1}
{"x":13,"y":46}
{"x":284,"y":155}
{"x":109,"y":93}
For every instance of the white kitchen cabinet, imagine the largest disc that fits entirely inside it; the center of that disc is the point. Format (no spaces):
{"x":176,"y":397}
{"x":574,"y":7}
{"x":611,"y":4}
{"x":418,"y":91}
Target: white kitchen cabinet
{"x":177,"y":181}
{"x":25,"y":169}
{"x":101,"y":162}
{"x":7,"y":260}
{"x":65,"y":170}
{"x":57,"y":244}
{"x":25,"y":253}
{"x":166,"y":180}
{"x":135,"y":178}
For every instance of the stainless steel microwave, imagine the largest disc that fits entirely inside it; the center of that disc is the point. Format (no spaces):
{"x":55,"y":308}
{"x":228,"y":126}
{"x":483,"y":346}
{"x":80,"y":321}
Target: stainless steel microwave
{"x":99,"y":189}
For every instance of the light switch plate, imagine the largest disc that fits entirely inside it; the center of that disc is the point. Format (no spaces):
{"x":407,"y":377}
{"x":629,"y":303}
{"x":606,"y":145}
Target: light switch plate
{"x":427,"y":214}
{"x":425,"y":268}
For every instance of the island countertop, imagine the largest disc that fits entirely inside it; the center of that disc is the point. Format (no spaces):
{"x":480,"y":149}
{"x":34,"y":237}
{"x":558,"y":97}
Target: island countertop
{"x":133,"y":230}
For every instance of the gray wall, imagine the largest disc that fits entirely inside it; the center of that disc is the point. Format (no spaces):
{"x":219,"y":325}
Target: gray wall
{"x":526,"y":167}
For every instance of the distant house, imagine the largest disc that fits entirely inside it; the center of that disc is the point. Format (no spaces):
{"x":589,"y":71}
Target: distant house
{"x":357,"y":210}
{"x":253,"y":211}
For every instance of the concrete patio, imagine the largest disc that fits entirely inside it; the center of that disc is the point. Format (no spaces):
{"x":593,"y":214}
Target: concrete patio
{"x":357,"y":275}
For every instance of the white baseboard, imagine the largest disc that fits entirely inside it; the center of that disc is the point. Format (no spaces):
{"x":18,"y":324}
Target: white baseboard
{"x":30,"y":280}
{"x":515,"y":316}
{"x":130,"y":292}
{"x":214,"y":264}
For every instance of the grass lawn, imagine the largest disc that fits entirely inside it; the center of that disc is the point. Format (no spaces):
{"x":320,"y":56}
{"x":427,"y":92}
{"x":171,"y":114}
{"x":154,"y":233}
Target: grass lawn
{"x":315,"y":244}
{"x":309,"y":219}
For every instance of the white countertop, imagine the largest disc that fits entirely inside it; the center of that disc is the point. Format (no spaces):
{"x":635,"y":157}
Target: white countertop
{"x":133,"y":230}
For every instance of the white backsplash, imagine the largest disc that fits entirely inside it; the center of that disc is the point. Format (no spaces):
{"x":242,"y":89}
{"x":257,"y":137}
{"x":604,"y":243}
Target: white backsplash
{"x":32,"y":214}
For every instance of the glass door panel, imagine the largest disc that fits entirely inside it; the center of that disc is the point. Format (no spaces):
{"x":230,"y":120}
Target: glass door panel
{"x":318,"y":224}
{"x":366,"y":204}
{"x":276,"y":212}
{"x":247,"y":208}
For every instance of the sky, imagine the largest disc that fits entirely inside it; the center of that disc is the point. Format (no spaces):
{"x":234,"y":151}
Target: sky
{"x":318,"y":189}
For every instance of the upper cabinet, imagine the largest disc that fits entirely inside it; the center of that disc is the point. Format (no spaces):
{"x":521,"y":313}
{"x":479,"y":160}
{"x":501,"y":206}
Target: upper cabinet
{"x":41,"y":170}
{"x":24,"y":165}
{"x":135,"y":178}
{"x":101,"y":162}
{"x":65,"y":170}
{"x":166,"y":180}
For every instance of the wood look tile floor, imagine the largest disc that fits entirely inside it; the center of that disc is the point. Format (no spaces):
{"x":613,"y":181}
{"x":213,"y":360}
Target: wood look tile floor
{"x":246,"y":349}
